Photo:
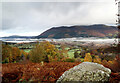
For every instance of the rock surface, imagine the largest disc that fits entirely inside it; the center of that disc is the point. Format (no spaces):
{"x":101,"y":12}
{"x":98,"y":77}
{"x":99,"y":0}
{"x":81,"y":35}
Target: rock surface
{"x":86,"y":72}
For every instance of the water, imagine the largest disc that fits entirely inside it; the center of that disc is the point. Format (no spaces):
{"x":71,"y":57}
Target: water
{"x":80,"y":39}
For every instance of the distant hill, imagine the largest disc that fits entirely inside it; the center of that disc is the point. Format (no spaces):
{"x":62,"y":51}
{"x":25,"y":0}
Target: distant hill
{"x":98,"y":30}
{"x":16,"y":36}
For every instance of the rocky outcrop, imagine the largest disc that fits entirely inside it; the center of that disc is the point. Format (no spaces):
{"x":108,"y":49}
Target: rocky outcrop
{"x":86,"y":72}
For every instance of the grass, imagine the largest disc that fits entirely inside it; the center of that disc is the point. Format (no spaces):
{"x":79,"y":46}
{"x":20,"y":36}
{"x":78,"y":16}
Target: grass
{"x":70,"y":54}
{"x":27,"y":50}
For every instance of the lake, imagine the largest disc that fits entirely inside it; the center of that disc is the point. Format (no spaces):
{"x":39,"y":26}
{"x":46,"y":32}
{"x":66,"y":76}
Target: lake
{"x":67,"y":40}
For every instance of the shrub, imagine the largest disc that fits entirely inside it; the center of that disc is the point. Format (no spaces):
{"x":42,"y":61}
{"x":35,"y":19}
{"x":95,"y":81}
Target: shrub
{"x":70,"y":60}
{"x":78,"y":59}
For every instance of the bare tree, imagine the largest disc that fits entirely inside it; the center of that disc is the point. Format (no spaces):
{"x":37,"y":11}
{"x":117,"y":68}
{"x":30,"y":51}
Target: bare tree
{"x":118,"y":23}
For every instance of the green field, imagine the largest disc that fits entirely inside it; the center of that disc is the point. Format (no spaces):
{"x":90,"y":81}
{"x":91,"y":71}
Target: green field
{"x":27,"y":50}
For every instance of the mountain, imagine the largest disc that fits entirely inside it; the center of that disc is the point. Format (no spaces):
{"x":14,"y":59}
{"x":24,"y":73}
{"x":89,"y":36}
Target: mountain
{"x":98,"y":30}
{"x":16,"y":36}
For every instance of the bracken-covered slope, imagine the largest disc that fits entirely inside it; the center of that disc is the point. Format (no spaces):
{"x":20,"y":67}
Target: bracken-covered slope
{"x":98,"y":30}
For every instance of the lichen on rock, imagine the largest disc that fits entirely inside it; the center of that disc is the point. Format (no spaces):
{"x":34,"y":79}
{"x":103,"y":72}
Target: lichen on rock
{"x":86,"y":72}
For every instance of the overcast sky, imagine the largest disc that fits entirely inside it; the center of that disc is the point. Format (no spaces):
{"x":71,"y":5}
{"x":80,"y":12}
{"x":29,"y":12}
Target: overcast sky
{"x":33,"y":18}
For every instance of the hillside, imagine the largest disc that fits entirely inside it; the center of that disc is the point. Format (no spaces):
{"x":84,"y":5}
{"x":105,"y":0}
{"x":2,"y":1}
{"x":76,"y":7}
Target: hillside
{"x":99,"y":30}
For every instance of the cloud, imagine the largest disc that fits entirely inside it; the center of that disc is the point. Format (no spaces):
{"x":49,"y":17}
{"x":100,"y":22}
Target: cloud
{"x":25,"y":18}
{"x":58,"y":0}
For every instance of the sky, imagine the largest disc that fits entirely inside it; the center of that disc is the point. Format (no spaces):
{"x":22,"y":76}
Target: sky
{"x":32,"y":18}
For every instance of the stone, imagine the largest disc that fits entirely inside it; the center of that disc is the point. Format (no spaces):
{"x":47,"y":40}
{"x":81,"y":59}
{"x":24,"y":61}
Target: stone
{"x":86,"y":72}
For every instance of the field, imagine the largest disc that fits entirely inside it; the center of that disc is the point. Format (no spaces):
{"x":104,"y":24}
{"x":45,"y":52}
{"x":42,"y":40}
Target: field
{"x":27,"y":47}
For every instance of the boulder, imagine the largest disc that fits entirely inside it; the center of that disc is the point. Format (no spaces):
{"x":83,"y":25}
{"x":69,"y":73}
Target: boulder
{"x":86,"y":72}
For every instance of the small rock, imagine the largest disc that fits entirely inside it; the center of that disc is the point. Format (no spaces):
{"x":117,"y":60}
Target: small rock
{"x":86,"y":72}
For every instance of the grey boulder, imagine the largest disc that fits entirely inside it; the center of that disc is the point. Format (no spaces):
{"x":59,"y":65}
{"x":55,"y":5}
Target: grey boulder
{"x":86,"y":72}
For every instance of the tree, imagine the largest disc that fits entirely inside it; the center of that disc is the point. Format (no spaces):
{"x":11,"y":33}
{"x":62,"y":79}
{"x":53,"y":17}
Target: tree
{"x":63,"y":52}
{"x":10,"y":54}
{"x":16,"y":54}
{"x":37,"y":54}
{"x":44,"y":51}
{"x":97,"y":59}
{"x":24,"y":55}
{"x":88,"y":57}
{"x":6,"y":51}
{"x":76,"y":54}
{"x":50,"y":50}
